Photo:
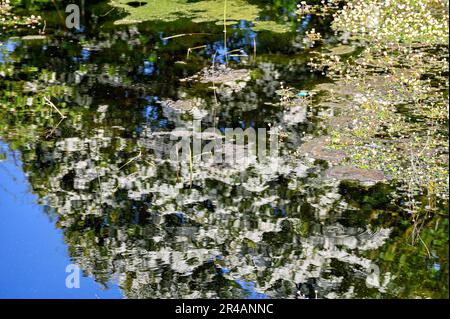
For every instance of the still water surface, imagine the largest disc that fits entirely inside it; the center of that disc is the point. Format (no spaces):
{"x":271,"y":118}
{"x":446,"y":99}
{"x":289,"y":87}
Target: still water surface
{"x":96,"y":188}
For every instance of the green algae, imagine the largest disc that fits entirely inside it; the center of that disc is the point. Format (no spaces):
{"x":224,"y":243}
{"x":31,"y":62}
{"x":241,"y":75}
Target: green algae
{"x":201,"y":11}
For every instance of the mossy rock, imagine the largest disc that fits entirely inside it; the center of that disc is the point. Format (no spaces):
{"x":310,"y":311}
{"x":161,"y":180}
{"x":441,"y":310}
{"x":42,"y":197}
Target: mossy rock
{"x":350,"y":173}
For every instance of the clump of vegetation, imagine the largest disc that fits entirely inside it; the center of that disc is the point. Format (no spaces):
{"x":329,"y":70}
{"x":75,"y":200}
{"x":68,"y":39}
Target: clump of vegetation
{"x":397,"y":115}
{"x":399,"y":21}
{"x":322,"y":9}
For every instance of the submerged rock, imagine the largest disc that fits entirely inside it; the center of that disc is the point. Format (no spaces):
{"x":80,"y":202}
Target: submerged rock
{"x":317,"y":149}
{"x":342,"y":50}
{"x":185,"y":105}
{"x":355,"y":174}
{"x":223,"y":75}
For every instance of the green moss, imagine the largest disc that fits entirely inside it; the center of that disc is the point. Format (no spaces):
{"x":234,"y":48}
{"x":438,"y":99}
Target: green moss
{"x":201,"y":11}
{"x":270,"y":26}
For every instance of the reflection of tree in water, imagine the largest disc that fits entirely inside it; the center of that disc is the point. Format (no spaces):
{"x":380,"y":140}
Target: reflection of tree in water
{"x":166,"y":230}
{"x":145,"y":224}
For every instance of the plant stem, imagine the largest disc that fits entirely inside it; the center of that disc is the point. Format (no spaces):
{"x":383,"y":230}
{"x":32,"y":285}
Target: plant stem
{"x":225,"y":30}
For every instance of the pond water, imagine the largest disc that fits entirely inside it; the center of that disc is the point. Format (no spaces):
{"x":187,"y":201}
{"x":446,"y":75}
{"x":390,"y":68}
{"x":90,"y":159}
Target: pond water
{"x":98,"y":188}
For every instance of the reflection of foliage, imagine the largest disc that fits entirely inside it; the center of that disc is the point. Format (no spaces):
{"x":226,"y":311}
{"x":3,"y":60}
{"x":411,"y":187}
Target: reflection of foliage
{"x":397,"y":255}
{"x":432,"y":271}
{"x":163,"y":229}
